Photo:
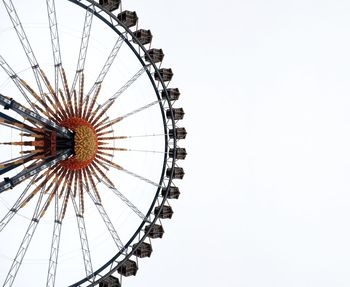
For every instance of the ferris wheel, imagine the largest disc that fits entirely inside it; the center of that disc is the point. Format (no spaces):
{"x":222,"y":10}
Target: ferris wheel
{"x":89,"y":143}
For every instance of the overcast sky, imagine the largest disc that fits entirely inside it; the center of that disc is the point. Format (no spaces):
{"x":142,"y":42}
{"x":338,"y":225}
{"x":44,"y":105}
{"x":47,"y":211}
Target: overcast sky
{"x":266,"y":90}
{"x":265,"y":201}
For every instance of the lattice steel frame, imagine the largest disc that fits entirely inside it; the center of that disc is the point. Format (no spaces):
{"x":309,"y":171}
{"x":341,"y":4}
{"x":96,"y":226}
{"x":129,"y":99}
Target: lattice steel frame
{"x":151,"y":69}
{"x":118,"y":27}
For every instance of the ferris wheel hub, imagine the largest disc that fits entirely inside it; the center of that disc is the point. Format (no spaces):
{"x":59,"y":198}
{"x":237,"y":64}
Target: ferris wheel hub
{"x":84,"y":141}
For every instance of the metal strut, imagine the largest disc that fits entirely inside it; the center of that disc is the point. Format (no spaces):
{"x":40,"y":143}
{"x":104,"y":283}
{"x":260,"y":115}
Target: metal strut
{"x":118,"y":167}
{"x":83,"y":48}
{"x":17,"y":262}
{"x":126,"y":201}
{"x":26,"y":113}
{"x":11,"y":11}
{"x":114,"y":121}
{"x":14,"y":77}
{"x":23,"y":175}
{"x":10,"y":165}
{"x":51,"y":12}
{"x":107,"y":65}
{"x":56,"y":236}
{"x":83,"y":238}
{"x":13,"y":123}
{"x":7,"y":218}
{"x":107,"y":222}
{"x":127,"y":85}
{"x":51,"y":276}
{"x":56,"y":50}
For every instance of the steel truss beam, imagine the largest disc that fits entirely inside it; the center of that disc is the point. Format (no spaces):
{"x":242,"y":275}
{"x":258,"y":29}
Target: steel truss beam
{"x":114,"y":121}
{"x":56,"y":51}
{"x":51,"y":276}
{"x":10,"y":165}
{"x":7,"y":218}
{"x":111,"y":20}
{"x":125,"y":200}
{"x":56,"y":236}
{"x":17,"y":262}
{"x":31,"y":171}
{"x":107,"y":222}
{"x":11,"y":11}
{"x":35,"y":117}
{"x":83,"y":48}
{"x":13,"y":123}
{"x":16,"y":80}
{"x":127,"y":85}
{"x":118,"y":167}
{"x":107,"y":65}
{"x":83,"y":238}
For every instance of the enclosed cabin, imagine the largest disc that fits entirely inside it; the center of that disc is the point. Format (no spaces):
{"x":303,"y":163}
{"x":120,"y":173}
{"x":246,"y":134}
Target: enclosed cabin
{"x":128,"y":268}
{"x":144,"y":36}
{"x":156,"y":231}
{"x":178,"y":133}
{"x":143,"y":250}
{"x":173,"y":193}
{"x":110,"y":5}
{"x":155,"y":55}
{"x":177,"y":113}
{"x":110,"y":281}
{"x":178,"y":172}
{"x":173,"y":94}
{"x":178,"y":153}
{"x":165,"y":212}
{"x":128,"y":18}
{"x":164,"y":74}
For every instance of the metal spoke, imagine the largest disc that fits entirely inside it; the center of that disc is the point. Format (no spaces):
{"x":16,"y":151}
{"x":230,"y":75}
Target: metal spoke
{"x":20,"y":254}
{"x":56,"y":236}
{"x":9,"y":165}
{"x":114,"y":121}
{"x":142,"y":150}
{"x":11,"y":126}
{"x":125,"y":200}
{"x":107,"y":222}
{"x":51,"y":276}
{"x":32,"y":116}
{"x":127,"y":85}
{"x":107,"y":65}
{"x":17,"y":262}
{"x":3,"y":123}
{"x":17,"y":81}
{"x":11,"y":11}
{"x":51,"y":12}
{"x":118,"y":167}
{"x":28,"y":172}
{"x":13,"y":123}
{"x":12,"y":160}
{"x":129,"y":137}
{"x":146,"y":136}
{"x":83,"y":238}
{"x":139,"y":177}
{"x":7,"y":218}
{"x":83,"y":48}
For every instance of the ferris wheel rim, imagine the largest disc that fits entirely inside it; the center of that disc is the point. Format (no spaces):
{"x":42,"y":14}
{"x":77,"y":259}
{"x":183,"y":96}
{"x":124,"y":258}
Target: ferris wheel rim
{"x":138,"y":231}
{"x":168,"y":161}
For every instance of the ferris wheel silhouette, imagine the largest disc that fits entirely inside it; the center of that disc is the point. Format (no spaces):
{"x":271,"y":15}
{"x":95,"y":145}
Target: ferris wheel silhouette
{"x":89,"y":140}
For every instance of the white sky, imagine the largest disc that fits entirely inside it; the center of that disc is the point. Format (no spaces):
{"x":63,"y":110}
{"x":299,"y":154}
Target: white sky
{"x":265,"y":201}
{"x":265,"y":87}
